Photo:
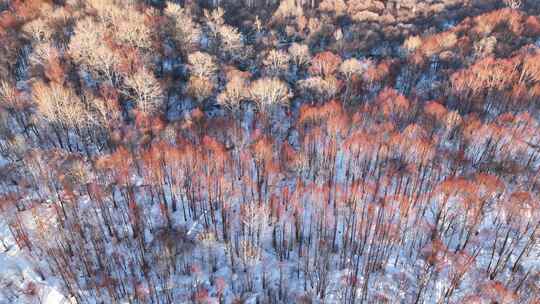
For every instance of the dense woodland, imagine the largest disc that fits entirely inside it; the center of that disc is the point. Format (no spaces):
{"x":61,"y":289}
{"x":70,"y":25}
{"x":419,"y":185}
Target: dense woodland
{"x":334,"y":151}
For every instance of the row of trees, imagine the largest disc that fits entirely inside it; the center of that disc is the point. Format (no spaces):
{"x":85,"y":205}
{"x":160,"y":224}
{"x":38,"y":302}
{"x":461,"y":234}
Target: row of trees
{"x":357,"y":198}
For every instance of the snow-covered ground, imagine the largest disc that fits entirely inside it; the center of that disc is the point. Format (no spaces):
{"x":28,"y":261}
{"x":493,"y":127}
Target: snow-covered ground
{"x":20,"y":283}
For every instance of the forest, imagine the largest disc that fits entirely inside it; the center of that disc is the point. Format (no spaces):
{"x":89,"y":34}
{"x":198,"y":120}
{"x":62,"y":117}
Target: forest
{"x":269,"y":151}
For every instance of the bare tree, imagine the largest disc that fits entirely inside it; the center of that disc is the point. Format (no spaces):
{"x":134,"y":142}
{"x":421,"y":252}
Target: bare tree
{"x":88,"y":49}
{"x":300,"y":54}
{"x":202,"y":65}
{"x":235,"y":91}
{"x":352,"y":69}
{"x":8,"y":95}
{"x":200,"y":88}
{"x":61,"y":108}
{"x":127,"y":23}
{"x":187,"y":33}
{"x":145,"y":89}
{"x":320,"y":89}
{"x":225,"y":39}
{"x":38,"y":30}
{"x":269,"y":92}
{"x":202,"y":81}
{"x":276,"y":62}
{"x":58,"y":104}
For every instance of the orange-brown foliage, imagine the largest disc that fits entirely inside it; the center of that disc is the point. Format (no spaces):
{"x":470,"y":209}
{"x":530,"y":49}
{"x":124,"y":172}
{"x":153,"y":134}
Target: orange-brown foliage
{"x":324,"y":64}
